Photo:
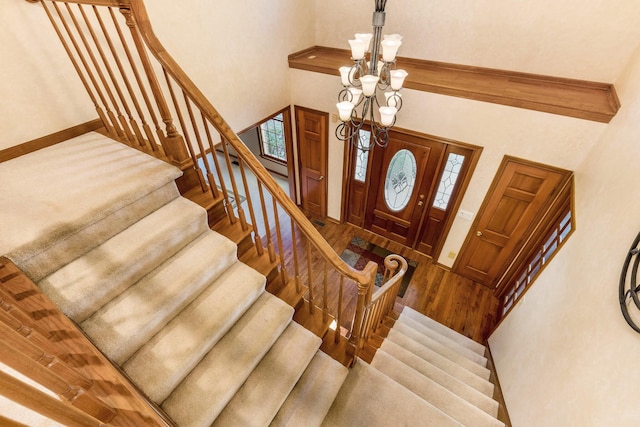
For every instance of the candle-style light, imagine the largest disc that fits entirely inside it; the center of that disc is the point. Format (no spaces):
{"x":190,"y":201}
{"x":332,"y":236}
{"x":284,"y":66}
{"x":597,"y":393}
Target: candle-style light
{"x":366,"y":80}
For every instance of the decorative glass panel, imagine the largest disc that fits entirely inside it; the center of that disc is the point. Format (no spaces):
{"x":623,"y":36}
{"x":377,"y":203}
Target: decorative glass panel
{"x":273,"y":143}
{"x":401,"y":178}
{"x":362,"y":156}
{"x":448,"y":181}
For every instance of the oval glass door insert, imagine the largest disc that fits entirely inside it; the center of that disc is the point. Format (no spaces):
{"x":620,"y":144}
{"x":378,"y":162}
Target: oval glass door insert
{"x":401,"y":178}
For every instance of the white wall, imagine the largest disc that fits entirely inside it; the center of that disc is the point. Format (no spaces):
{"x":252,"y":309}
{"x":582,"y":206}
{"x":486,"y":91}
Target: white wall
{"x":40,"y":92}
{"x":565,"y":356}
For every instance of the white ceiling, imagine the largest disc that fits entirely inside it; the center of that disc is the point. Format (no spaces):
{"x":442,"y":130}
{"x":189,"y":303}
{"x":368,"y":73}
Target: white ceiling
{"x":582,"y":39}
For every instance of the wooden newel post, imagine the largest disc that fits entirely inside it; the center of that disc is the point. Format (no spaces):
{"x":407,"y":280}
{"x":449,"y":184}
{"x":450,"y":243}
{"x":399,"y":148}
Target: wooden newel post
{"x":172,"y":142}
{"x":364,"y":297}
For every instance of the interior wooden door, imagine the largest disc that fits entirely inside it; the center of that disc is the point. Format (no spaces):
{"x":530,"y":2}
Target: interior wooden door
{"x":312,"y":158}
{"x":517,"y":200}
{"x":403,"y":178}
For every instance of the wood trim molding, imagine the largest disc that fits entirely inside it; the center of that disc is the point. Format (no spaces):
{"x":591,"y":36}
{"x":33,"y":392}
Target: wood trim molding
{"x":568,"y":97}
{"x":46,"y":141}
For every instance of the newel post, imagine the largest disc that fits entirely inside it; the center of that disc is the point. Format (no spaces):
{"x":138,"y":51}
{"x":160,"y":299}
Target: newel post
{"x":364,"y":298}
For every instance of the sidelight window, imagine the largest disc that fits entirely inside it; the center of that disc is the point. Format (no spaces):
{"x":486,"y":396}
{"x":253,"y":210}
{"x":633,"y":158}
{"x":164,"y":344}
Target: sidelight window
{"x":362,"y":156}
{"x":448,"y":181}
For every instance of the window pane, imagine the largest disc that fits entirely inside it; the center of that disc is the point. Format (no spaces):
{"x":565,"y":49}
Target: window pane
{"x":448,"y":181}
{"x":362,"y":156}
{"x":401,"y":177}
{"x":273,"y":143}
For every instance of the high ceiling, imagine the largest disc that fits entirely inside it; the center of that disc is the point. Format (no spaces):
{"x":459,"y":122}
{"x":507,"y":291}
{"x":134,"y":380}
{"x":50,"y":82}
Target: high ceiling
{"x":582,"y":39}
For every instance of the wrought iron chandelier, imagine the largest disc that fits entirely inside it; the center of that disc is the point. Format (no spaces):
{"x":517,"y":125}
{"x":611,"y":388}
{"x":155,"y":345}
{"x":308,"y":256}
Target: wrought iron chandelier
{"x":371,"y":86}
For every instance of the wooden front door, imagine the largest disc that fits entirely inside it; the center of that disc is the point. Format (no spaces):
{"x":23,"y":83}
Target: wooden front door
{"x":312,"y":158}
{"x":520,"y":194}
{"x":402,"y":182}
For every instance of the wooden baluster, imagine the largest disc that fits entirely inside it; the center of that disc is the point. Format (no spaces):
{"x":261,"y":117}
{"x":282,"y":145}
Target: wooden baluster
{"x":312,"y":307}
{"x":265,"y":217}
{"x":128,"y":134}
{"x":283,"y":267}
{"x":103,"y":80}
{"x":339,"y":313}
{"x":234,"y":186}
{"x":358,"y":320}
{"x":172,"y":142}
{"x":223,"y":185}
{"x":256,"y":235}
{"x":137,"y":138}
{"x":151,"y":137}
{"x":294,"y":248}
{"x":205,"y":158}
{"x":83,"y":79}
{"x":47,"y":371}
{"x":44,"y":404}
{"x":325,"y":296}
{"x":203,"y":152}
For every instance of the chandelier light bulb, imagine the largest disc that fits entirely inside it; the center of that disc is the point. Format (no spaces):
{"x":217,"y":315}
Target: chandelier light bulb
{"x":345,"y":108}
{"x":358,"y":48}
{"x":390,"y":49}
{"x":397,"y":79}
{"x":387,"y":115}
{"x":369,"y":83}
{"x":366,"y":38}
{"x":355,"y":95}
{"x":346,"y":74}
{"x":397,"y":37}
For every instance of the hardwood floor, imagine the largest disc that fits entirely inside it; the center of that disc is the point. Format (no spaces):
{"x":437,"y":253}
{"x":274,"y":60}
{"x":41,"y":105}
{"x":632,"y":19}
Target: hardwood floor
{"x":446,"y":297}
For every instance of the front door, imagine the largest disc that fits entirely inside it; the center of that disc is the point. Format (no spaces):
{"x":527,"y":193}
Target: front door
{"x":312,"y":157}
{"x":519,"y":196}
{"x":402,"y":184}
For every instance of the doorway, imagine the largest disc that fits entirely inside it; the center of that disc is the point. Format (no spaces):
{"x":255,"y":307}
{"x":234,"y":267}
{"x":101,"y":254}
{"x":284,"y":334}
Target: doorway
{"x":312,"y":145}
{"x":410,"y":190}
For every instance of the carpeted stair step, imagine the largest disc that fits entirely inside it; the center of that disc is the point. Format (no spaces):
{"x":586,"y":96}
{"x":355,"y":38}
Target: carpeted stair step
{"x":437,"y":395}
{"x":204,"y":393}
{"x":123,"y":325}
{"x":451,"y":383}
{"x":92,"y":280}
{"x":441,"y":362}
{"x":163,"y":362}
{"x":443,"y":330}
{"x":52,"y":215}
{"x":442,"y":339}
{"x":310,"y":400}
{"x":371,"y":399}
{"x":259,"y":399}
{"x":441,"y":349}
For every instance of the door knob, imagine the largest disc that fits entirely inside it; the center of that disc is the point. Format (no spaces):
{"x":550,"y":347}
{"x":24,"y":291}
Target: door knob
{"x":479,"y":233}
{"x":321,"y":178}
{"x":420,"y":203}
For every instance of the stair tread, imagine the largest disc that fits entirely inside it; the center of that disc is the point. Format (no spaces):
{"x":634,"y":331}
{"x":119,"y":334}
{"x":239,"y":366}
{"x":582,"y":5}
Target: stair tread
{"x":104,"y":272}
{"x":373,"y":399}
{"x":184,"y":341}
{"x":434,"y":393}
{"x":311,"y":398}
{"x":258,"y":400}
{"x":450,"y":382}
{"x":445,"y":351}
{"x":45,"y":208}
{"x":204,"y":393}
{"x":438,"y":360}
{"x":123,"y":325}
{"x":444,"y":340}
{"x":444,"y":330}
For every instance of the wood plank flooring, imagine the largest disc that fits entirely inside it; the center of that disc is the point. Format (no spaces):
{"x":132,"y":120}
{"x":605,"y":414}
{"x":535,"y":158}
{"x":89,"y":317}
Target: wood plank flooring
{"x":446,"y":297}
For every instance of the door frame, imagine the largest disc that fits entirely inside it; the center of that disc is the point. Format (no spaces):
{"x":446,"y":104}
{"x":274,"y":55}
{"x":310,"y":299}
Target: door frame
{"x":534,"y":225}
{"x":297,"y":109}
{"x":456,"y":198}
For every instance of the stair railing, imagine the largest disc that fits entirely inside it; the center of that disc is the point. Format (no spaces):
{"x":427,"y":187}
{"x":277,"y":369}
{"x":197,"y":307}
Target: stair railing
{"x":379,"y":305}
{"x":153,"y":106}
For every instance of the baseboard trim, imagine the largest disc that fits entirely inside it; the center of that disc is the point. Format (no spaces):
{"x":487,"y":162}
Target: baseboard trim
{"x":49,"y":140}
{"x":503,"y":413}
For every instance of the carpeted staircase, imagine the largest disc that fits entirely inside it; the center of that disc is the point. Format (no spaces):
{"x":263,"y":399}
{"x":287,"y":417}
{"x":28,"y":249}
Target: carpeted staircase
{"x":104,"y":232}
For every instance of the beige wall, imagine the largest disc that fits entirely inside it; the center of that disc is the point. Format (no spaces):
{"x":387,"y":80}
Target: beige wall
{"x":39,"y":90}
{"x":565,"y":356}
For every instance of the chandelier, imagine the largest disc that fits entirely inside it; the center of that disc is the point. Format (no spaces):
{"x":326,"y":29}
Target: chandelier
{"x":371,"y":86}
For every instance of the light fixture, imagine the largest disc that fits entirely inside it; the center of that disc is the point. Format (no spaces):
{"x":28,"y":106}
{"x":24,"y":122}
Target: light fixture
{"x":371,"y":87}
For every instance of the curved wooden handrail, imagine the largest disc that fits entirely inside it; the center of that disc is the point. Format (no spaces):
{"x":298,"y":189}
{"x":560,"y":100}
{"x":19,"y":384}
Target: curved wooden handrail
{"x":391,"y":263}
{"x":362,"y":277}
